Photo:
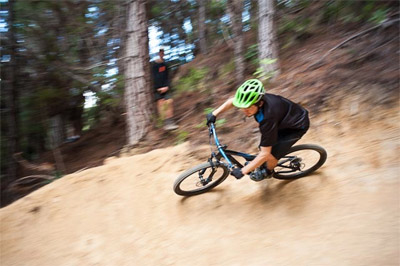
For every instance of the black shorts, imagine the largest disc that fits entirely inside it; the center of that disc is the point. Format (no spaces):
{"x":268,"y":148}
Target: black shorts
{"x":286,"y":139}
{"x":165,"y":96}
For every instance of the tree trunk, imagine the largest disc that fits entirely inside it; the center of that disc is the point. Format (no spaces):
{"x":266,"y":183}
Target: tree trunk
{"x":202,"y":27}
{"x":11,"y":98}
{"x":267,"y":42}
{"x":137,"y":89}
{"x":56,"y":131}
{"x":254,"y":15}
{"x":235,"y":9}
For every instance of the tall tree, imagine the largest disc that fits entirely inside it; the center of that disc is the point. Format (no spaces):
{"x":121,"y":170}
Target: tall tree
{"x":172,"y":18}
{"x":137,"y":73}
{"x":202,"y":27}
{"x":267,"y":41}
{"x":69,"y":48}
{"x":235,"y":9}
{"x":11,"y":96}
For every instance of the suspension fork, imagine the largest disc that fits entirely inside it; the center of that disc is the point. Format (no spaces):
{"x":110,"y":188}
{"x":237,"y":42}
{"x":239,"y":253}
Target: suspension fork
{"x":211,"y":175}
{"x":219,"y":146}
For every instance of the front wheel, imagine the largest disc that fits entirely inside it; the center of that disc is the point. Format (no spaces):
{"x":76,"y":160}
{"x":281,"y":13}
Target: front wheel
{"x":299,"y":161}
{"x":200,"y":179}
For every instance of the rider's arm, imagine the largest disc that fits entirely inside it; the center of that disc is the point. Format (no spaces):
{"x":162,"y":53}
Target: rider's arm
{"x":261,"y":158}
{"x":228,"y":104}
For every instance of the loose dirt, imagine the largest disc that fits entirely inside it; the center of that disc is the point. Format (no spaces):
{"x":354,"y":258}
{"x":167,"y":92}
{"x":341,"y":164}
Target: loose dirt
{"x":126,"y":213}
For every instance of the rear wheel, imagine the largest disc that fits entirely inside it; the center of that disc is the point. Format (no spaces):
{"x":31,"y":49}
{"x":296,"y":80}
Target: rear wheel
{"x":200,"y":179}
{"x":300,"y":161}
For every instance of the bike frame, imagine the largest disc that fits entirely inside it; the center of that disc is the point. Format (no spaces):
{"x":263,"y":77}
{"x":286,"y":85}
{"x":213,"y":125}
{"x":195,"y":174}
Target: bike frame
{"x":227,"y":154}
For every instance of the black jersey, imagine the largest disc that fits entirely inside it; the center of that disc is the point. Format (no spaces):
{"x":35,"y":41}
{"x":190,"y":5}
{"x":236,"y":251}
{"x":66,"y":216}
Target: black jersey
{"x":160,"y":75}
{"x":278,"y":113}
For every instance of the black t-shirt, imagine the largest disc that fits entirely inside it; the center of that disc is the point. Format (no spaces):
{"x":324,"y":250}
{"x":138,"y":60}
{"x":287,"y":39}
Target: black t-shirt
{"x":160,"y":75}
{"x":279,"y":113}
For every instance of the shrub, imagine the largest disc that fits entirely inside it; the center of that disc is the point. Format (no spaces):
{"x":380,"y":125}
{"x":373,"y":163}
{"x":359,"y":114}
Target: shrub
{"x":181,"y":137}
{"x":192,"y":81}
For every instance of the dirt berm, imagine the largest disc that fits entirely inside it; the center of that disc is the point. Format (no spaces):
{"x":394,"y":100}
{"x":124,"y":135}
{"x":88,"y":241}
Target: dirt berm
{"x":126,"y":213}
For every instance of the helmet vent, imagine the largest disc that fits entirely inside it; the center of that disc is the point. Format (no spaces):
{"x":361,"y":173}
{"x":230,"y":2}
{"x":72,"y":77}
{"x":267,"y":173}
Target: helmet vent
{"x":251,"y":99}
{"x":245,"y":98}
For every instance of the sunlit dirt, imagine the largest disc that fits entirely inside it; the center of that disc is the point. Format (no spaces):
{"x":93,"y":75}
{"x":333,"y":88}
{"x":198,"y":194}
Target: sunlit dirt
{"x":126,"y":213}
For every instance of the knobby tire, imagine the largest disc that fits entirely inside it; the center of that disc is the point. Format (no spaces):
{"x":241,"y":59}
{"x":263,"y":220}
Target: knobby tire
{"x":195,"y":191}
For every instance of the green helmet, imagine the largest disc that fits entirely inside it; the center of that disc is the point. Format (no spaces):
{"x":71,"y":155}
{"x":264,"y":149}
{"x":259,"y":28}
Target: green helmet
{"x":249,"y":93}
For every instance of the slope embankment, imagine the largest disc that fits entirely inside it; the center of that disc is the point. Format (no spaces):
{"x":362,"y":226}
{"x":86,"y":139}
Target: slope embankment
{"x":126,"y":213}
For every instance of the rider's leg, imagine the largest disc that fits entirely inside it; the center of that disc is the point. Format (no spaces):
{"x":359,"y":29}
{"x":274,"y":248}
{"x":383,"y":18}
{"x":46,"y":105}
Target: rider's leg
{"x":271,"y":162}
{"x":286,"y":139}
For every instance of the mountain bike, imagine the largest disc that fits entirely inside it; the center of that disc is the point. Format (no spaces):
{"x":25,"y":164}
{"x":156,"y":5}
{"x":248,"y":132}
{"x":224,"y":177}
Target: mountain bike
{"x":299,"y":161}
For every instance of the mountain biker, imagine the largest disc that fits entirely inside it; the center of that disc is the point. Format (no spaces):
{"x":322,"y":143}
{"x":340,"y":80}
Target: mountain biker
{"x":281,"y":122}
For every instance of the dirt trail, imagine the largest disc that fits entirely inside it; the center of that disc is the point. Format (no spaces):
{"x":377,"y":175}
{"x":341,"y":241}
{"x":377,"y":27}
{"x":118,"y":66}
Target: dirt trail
{"x":125,"y":212}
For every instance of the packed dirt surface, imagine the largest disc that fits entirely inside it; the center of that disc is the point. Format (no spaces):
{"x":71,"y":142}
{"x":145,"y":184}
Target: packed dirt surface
{"x":126,"y":213}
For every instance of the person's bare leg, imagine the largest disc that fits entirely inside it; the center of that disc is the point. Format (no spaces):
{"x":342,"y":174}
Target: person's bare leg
{"x":271,"y":162}
{"x":169,"y":109}
{"x":169,"y":114}
{"x":161,"y":108}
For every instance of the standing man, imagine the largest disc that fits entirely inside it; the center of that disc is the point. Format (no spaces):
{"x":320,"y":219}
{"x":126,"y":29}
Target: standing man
{"x":162,"y":92}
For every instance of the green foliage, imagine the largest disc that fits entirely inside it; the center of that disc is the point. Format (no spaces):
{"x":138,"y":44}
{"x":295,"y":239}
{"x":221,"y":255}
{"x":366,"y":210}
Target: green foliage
{"x":206,"y":111}
{"x":301,"y":17}
{"x":109,"y":99}
{"x":57,"y":175}
{"x":113,"y":95}
{"x":156,"y":11}
{"x":261,"y":74}
{"x":379,"y":16}
{"x":332,"y":10}
{"x":32,"y":131}
{"x":200,"y":125}
{"x":293,"y":3}
{"x":48,"y":94}
{"x":90,"y":117}
{"x":297,"y":26}
{"x":58,"y":43}
{"x":215,"y":8}
{"x":220,"y":122}
{"x":292,"y":28}
{"x":251,"y":54}
{"x":192,"y":81}
{"x":227,"y":68}
{"x":171,"y":17}
{"x":355,"y":11}
{"x":181,"y":137}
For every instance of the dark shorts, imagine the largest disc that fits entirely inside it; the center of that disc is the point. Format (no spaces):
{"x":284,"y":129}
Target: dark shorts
{"x":165,"y":96}
{"x":286,"y":139}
